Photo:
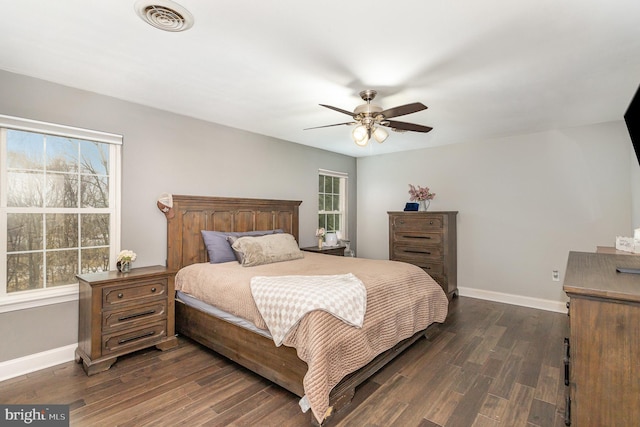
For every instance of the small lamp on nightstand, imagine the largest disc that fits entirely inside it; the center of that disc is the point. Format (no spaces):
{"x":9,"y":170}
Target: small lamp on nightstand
{"x":331,"y":239}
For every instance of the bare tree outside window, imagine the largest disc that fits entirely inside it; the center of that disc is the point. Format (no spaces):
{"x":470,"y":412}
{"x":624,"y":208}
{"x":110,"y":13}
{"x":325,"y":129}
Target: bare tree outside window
{"x":58,"y":212}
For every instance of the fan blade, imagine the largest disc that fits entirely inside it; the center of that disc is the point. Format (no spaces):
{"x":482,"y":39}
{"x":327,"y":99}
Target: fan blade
{"x":328,"y":126}
{"x":407,"y":126}
{"x":403,"y":110}
{"x":339,"y":110}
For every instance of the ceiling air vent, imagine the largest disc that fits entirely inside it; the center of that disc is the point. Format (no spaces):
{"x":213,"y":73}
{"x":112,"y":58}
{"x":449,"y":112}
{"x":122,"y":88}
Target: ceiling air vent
{"x":164,"y":14}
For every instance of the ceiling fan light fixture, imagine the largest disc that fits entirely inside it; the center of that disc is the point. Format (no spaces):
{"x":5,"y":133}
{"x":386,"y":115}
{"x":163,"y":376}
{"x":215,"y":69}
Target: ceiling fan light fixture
{"x":380,"y":134}
{"x":360,"y":135}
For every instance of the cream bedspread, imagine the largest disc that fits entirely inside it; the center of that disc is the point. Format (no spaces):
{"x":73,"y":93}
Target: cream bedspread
{"x":401,"y":300}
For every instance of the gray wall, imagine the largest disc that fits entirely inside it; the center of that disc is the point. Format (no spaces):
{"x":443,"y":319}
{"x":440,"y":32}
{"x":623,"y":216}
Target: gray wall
{"x":162,"y":152}
{"x":524,"y":202}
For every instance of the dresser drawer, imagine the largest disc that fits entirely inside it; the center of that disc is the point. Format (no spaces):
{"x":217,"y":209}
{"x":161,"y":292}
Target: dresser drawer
{"x":134,"y":293}
{"x":442,"y":280}
{"x":416,"y":251}
{"x":431,"y":266}
{"x":114,"y":320}
{"x":417,"y":222}
{"x":126,"y":340}
{"x":417,"y":238}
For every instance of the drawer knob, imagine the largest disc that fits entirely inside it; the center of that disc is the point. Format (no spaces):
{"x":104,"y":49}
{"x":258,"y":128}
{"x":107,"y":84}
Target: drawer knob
{"x":120,"y":295}
{"x":430,"y":222}
{"x":153,"y":289}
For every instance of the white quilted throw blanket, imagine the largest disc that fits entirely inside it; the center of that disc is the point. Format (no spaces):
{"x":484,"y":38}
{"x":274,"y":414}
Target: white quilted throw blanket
{"x":284,"y":300}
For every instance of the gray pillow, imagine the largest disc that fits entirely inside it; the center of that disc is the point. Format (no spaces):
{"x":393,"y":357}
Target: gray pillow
{"x":219,"y":248}
{"x":267,"y":249}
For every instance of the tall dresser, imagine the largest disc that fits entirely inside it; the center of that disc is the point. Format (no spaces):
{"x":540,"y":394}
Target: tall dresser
{"x":603,"y":361}
{"x":428,"y":240}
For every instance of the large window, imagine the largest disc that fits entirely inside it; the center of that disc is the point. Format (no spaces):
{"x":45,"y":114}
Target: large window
{"x":59,"y":206}
{"x":332,"y":202}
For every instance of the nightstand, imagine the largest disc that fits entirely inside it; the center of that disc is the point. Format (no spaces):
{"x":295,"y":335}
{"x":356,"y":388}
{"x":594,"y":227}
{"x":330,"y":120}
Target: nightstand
{"x":124,"y":312}
{"x":333,"y":250}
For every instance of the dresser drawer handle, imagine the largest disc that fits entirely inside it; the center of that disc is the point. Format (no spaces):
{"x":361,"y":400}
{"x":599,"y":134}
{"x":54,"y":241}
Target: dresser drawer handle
{"x":417,"y":237}
{"x":153,"y":289}
{"x":120,"y":295}
{"x":410,"y":251}
{"x":566,"y":361}
{"x":137,"y":337}
{"x":430,"y":222}
{"x":133,"y":316}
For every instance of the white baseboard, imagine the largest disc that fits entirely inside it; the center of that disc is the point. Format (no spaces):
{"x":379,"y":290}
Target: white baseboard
{"x":34,"y":362}
{"x":542,"y":304}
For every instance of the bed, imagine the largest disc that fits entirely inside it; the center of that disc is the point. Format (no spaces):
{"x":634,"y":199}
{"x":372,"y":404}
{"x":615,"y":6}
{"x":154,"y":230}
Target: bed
{"x":284,"y":364}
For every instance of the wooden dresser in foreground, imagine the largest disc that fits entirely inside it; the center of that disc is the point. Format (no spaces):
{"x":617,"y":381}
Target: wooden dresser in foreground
{"x":604,"y":343}
{"x":428,"y":240}
{"x":123,"y":312}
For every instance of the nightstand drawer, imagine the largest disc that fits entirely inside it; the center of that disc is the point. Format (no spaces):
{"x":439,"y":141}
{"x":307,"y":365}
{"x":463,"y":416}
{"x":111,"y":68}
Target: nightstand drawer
{"x":134,"y":293}
{"x":143,"y":337}
{"x":131,"y":317}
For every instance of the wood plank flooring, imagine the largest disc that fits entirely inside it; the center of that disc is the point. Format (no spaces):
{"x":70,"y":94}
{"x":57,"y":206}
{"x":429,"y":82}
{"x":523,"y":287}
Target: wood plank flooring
{"x":490,"y":365}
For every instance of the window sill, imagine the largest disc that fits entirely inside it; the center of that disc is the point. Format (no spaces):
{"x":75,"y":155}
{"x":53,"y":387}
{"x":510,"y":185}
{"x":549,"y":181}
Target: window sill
{"x":38,"y":298}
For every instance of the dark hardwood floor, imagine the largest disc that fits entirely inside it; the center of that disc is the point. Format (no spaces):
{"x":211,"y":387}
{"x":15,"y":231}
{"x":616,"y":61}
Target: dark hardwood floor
{"x":491,"y":364}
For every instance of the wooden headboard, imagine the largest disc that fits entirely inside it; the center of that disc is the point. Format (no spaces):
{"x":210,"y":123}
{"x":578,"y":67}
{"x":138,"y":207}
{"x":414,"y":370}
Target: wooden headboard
{"x":196,"y":213}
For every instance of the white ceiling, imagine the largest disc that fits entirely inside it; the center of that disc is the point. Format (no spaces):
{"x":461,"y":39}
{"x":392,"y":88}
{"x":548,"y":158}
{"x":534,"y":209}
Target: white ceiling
{"x":484,"y":68}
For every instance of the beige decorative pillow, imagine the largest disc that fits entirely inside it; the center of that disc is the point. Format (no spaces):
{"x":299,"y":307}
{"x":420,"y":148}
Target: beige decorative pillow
{"x":268,"y":249}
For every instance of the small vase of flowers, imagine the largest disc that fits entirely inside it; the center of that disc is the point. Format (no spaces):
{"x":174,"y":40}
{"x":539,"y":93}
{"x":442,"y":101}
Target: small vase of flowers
{"x":125,"y":258}
{"x":422,"y":194}
{"x":320,"y":232}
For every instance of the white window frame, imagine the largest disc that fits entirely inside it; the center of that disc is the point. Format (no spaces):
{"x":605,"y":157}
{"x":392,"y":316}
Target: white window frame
{"x":343,"y":198}
{"x":57,"y":294}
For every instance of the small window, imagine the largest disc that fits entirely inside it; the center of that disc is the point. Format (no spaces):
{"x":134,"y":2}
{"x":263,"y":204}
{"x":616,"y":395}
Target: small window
{"x":332,"y":202}
{"x":59,"y":206}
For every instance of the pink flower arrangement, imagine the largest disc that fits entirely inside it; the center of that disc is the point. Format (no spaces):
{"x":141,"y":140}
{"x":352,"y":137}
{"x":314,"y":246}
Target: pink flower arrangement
{"x":420,"y":193}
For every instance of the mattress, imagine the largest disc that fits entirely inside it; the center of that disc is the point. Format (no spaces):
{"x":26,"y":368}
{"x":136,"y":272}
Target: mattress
{"x":220,"y":314}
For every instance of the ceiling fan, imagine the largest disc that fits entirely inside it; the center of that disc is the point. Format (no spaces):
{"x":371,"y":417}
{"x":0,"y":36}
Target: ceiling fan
{"x":371,"y":119}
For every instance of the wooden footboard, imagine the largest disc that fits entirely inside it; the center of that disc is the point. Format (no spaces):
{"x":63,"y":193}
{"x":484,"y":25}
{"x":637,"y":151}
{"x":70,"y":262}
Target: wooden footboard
{"x":280,"y":365}
{"x":255,"y":352}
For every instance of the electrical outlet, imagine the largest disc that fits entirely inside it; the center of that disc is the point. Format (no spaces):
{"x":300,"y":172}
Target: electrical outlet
{"x":555,"y":275}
